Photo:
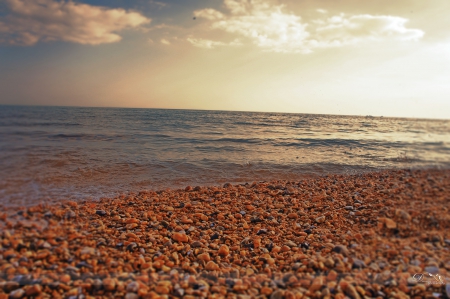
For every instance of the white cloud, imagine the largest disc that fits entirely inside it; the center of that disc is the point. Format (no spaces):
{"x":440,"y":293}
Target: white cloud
{"x":209,"y":13}
{"x":342,"y":29}
{"x":266,"y":25}
{"x":210,"y":44}
{"x":270,"y":27}
{"x":31,"y":21}
{"x":322,"y":11}
{"x":165,"y":42}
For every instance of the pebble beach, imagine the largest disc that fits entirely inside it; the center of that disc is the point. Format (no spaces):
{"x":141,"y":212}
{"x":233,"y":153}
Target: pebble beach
{"x":374,"y":235}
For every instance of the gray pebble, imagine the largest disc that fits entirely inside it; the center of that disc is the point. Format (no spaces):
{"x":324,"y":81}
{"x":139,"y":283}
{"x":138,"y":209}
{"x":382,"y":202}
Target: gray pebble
{"x":432,"y":270}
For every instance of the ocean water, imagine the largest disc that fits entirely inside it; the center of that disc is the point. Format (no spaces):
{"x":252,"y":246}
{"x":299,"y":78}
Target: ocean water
{"x":58,"y":153}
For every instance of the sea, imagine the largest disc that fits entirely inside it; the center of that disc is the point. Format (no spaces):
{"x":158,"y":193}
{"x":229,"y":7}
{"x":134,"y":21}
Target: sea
{"x":51,"y":154}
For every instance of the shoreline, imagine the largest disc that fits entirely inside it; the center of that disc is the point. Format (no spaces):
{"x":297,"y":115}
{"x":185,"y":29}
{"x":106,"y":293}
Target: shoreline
{"x":330,"y":236}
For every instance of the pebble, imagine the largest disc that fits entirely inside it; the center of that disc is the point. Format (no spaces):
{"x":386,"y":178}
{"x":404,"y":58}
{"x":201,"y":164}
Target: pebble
{"x":196,"y":244}
{"x":261,"y":231}
{"x":204,"y":257}
{"x":432,"y":270}
{"x":341,"y":249}
{"x":290,"y":244}
{"x":358,"y":264}
{"x":34,"y":290}
{"x":224,"y":250}
{"x":133,"y":287}
{"x":100,"y":212}
{"x":278,"y":294}
{"x":131,"y":296}
{"x":212,"y":266}
{"x":180,"y":237}
{"x":17,"y":294}
{"x":239,"y":241}
{"x":320,"y":219}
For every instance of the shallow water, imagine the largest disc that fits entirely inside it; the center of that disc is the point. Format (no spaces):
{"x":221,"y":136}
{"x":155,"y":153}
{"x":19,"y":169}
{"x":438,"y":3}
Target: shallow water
{"x":55,"y":153}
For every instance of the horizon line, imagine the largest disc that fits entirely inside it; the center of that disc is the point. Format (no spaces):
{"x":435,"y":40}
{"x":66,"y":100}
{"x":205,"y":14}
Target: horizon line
{"x":219,"y":110}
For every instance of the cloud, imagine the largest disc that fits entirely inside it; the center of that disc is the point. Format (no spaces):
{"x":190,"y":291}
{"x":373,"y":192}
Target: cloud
{"x":210,"y":44}
{"x":158,"y":4}
{"x":343,"y":30}
{"x":265,"y":25}
{"x":31,"y":21}
{"x":209,"y":13}
{"x":165,"y":42}
{"x":270,"y":27}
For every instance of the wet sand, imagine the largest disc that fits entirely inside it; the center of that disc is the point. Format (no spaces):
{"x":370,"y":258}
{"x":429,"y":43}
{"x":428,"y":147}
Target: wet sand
{"x":375,"y":235}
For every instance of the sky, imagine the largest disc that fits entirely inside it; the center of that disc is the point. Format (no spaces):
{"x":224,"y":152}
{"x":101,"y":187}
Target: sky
{"x":352,"y":57}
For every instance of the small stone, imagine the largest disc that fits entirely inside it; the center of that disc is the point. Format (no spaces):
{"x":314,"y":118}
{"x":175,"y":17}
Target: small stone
{"x":133,"y":287}
{"x":374,"y":267}
{"x":402,"y":214}
{"x":70,"y":214}
{"x":278,"y":294}
{"x":100,"y":212}
{"x":17,"y":294}
{"x":132,"y":246}
{"x":317,"y":284}
{"x":332,"y":275}
{"x":285,"y":248}
{"x":291,"y":244}
{"x":196,"y":244}
{"x":350,"y":290}
{"x":186,"y":220}
{"x":109,"y":284}
{"x":436,"y":238}
{"x":432,"y":269}
{"x":34,"y":290}
{"x":320,"y":219}
{"x":180,"y":237}
{"x":262,"y":231}
{"x":179,"y":292}
{"x":212,"y":266}
{"x":358,"y":264}
{"x":266,"y":291}
{"x":87,"y":250}
{"x":292,"y":215}
{"x":224,"y":250}
{"x":204,"y":257}
{"x":341,"y":249}
{"x":162,"y":289}
{"x":391,"y":224}
{"x":65,"y":278}
{"x":411,"y":281}
{"x":131,"y":296}
{"x":349,"y":208}
{"x":329,"y":262}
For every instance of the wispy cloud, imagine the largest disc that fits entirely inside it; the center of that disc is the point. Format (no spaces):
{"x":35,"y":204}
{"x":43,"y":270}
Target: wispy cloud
{"x":31,"y":21}
{"x":165,"y":42}
{"x":342,"y":29}
{"x":158,"y":4}
{"x":266,"y":25}
{"x":269,"y":26}
{"x":210,"y":44}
